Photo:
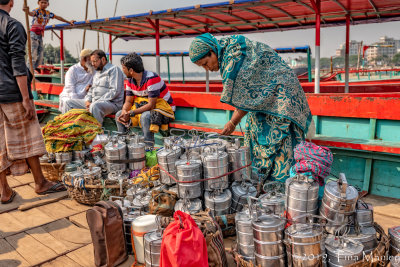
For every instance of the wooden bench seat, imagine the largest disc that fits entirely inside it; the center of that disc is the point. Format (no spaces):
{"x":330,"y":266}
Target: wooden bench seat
{"x":55,"y":105}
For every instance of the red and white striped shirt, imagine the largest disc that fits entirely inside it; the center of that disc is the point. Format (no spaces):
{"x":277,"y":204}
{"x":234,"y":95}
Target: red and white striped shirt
{"x":151,"y":85}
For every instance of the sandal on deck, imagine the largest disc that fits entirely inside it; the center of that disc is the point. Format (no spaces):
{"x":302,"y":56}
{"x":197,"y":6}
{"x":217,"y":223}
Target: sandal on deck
{"x":13,"y":194}
{"x":57,"y":187}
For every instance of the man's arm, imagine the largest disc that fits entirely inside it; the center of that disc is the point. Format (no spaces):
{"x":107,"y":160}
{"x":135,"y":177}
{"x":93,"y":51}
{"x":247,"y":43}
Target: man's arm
{"x":64,"y":20}
{"x":17,"y":40}
{"x":149,"y":106}
{"x":26,"y":102}
{"x":124,"y":117}
{"x":116,"y":85}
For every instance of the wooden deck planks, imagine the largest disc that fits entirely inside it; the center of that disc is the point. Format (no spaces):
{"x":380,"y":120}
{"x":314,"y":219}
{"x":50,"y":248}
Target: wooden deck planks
{"x":62,"y":261}
{"x":57,"y":211}
{"x":68,"y":233}
{"x":30,"y":249}
{"x":80,"y":220}
{"x":72,"y":204}
{"x":31,"y":218}
{"x":48,"y":240}
{"x":9,"y":257}
{"x":9,"y":225}
{"x":85,"y":256}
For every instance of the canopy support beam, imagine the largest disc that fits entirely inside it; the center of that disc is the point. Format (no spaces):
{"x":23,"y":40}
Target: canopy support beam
{"x":156,"y":27}
{"x":183,"y":69}
{"x":62,"y":56}
{"x":346,"y":59}
{"x":317,"y":7}
{"x":110,"y":40}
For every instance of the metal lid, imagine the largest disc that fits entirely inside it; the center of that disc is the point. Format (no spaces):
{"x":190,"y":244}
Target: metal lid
{"x":71,"y":167}
{"x":214,"y":156}
{"x":240,"y":188}
{"x":191,"y":205}
{"x":394,"y":232}
{"x":115,"y":145}
{"x":304,"y":230}
{"x":272,"y":198}
{"x":366,"y":234}
{"x":93,"y":171}
{"x":188,"y":165}
{"x":342,"y":247}
{"x":268,"y":222}
{"x":141,"y":200}
{"x":117,"y":176}
{"x":164,"y":152}
{"x":76,"y":174}
{"x":136,"y":145}
{"x":218,"y":197}
{"x":298,"y":184}
{"x":243,"y":216}
{"x":332,"y":188}
{"x":154,"y":237}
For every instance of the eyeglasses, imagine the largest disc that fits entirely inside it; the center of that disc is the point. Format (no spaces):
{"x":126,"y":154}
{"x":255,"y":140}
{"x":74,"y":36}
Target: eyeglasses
{"x":94,"y":61}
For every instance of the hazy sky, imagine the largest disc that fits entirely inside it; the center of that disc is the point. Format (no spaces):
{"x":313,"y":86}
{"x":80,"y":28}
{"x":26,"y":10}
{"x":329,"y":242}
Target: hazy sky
{"x":331,"y":37}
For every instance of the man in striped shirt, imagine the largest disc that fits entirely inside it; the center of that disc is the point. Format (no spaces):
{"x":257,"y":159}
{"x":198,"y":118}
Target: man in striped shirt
{"x":141,"y":83}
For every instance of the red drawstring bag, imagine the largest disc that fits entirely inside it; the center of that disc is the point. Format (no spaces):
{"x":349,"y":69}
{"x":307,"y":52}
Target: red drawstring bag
{"x":183,"y":243}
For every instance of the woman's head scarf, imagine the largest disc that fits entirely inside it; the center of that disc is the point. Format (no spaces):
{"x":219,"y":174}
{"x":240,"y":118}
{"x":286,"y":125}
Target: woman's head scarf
{"x":201,"y":45}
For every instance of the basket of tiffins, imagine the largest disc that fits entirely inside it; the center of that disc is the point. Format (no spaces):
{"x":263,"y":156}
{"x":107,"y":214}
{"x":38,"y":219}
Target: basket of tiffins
{"x":87,"y":186}
{"x":53,"y":170}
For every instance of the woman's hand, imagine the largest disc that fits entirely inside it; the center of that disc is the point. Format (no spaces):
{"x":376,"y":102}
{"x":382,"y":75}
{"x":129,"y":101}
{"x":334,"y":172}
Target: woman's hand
{"x":228,"y":128}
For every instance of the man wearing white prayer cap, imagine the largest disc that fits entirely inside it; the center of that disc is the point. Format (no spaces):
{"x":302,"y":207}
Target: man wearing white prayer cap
{"x":78,"y":80}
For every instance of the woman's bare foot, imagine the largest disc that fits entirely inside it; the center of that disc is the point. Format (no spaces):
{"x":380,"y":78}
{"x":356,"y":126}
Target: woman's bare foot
{"x":6,"y":194}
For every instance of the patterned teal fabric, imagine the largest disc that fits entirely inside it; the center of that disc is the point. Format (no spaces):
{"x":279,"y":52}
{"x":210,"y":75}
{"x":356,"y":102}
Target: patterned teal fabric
{"x":255,"y":78}
{"x":271,"y":140}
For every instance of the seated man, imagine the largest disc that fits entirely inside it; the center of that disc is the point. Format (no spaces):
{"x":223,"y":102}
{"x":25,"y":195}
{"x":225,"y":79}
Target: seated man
{"x":153,"y":101}
{"x":107,"y":92}
{"x":78,"y":80}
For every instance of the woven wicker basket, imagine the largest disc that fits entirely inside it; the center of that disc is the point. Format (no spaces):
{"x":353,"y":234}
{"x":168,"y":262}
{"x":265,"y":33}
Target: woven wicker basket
{"x":53,"y":171}
{"x":92,"y":191}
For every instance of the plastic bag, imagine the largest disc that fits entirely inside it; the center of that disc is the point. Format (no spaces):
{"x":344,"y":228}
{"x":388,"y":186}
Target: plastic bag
{"x":151,"y":158}
{"x":183,"y":244}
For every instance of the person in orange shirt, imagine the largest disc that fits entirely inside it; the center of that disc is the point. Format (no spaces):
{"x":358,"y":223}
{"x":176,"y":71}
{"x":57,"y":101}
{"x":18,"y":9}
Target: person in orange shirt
{"x":41,"y":17}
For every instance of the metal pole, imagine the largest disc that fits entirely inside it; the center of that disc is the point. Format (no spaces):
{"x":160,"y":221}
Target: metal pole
{"x":346,"y":57}
{"x":317,"y":46}
{"x":183,"y":70}
{"x":359,"y":52}
{"x":207,"y":81}
{"x":158,"y":46}
{"x":30,"y":51}
{"x":169,"y":73}
{"x":309,"y":65}
{"x":62,"y":55}
{"x":97,"y":16}
{"x":110,"y":47}
{"x":84,"y":31}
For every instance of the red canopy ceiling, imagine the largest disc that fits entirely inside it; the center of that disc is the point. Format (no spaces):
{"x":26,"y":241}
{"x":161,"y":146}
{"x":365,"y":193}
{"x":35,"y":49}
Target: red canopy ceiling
{"x":242,"y":16}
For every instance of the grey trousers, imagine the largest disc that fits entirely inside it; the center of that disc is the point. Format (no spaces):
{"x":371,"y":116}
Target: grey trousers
{"x":99,"y":109}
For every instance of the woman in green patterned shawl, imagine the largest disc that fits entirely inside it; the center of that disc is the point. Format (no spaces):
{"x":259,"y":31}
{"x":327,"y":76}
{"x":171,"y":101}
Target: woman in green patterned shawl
{"x":257,"y":82}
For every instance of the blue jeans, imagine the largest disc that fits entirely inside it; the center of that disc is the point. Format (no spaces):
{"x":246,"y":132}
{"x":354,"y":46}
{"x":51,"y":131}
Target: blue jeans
{"x":37,"y":50}
{"x":144,"y":121}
